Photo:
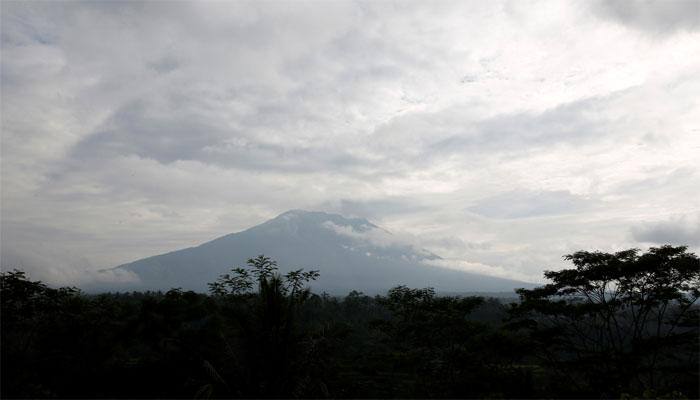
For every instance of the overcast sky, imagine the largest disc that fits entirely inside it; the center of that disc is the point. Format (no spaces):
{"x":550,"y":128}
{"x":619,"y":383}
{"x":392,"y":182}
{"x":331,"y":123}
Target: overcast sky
{"x":501,"y":135}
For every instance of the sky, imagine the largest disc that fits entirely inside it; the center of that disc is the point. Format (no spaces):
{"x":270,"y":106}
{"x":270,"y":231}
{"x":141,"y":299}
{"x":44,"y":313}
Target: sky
{"x":499,"y":135}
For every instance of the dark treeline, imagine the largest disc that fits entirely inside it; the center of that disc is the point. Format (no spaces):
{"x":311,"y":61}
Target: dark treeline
{"x":622,"y":325}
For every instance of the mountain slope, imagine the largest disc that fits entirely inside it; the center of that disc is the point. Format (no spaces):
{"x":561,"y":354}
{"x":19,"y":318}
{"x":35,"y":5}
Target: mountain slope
{"x":345,"y":250}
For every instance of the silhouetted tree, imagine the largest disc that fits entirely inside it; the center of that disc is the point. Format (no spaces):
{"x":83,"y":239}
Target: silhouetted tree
{"x":272,"y":341}
{"x":616,"y":325}
{"x":618,"y":322}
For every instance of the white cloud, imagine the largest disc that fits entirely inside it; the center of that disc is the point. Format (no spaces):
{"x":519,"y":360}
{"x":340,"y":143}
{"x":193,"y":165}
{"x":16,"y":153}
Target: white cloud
{"x":480,"y":268}
{"x":59,"y":267}
{"x":374,"y":236}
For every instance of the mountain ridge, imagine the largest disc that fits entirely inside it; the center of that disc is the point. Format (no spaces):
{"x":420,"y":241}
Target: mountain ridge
{"x":351,"y":254}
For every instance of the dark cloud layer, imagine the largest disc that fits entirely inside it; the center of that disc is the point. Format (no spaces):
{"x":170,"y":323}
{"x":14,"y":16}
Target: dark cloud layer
{"x":573,"y":124}
{"x":678,"y":231}
{"x":653,"y":17}
{"x":527,"y":204}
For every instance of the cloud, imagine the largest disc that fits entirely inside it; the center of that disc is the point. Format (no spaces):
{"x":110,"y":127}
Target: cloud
{"x":478,"y":268}
{"x":404,"y":242}
{"x":681,"y":230}
{"x":524,"y":204}
{"x":59,"y":268}
{"x":574,"y":123}
{"x":651,"y":16}
{"x":374,"y":208}
{"x":371,"y":235}
{"x":503,"y":134}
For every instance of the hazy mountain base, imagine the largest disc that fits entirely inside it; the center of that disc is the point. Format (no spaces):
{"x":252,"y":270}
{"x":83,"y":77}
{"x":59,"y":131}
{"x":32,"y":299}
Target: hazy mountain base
{"x":350,"y":253}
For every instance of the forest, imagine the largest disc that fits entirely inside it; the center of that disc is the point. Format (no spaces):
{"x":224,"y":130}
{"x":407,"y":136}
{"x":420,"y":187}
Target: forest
{"x":614,"y":325}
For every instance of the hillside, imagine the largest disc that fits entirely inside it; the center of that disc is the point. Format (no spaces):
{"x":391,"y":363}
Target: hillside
{"x":345,"y":250}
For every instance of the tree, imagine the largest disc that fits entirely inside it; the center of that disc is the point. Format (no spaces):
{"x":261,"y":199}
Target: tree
{"x":264,"y":270}
{"x":238,"y":283}
{"x":272,"y":343}
{"x":434,"y":349}
{"x":36,"y":321}
{"x":618,"y":322}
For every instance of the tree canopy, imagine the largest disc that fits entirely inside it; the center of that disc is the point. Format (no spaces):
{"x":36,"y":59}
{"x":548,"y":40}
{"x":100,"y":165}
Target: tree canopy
{"x":616,"y":325}
{"x":618,"y":320}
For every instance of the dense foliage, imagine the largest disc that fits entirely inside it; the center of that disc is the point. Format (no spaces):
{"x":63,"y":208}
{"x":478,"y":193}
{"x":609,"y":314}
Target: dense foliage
{"x":617,"y":325}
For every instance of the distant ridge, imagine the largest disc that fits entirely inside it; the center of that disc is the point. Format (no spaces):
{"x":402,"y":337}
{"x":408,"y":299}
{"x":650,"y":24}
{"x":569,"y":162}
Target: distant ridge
{"x":342,"y":249}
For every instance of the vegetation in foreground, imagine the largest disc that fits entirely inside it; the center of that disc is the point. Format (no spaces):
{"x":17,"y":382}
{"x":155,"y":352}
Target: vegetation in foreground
{"x":620,"y":325}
